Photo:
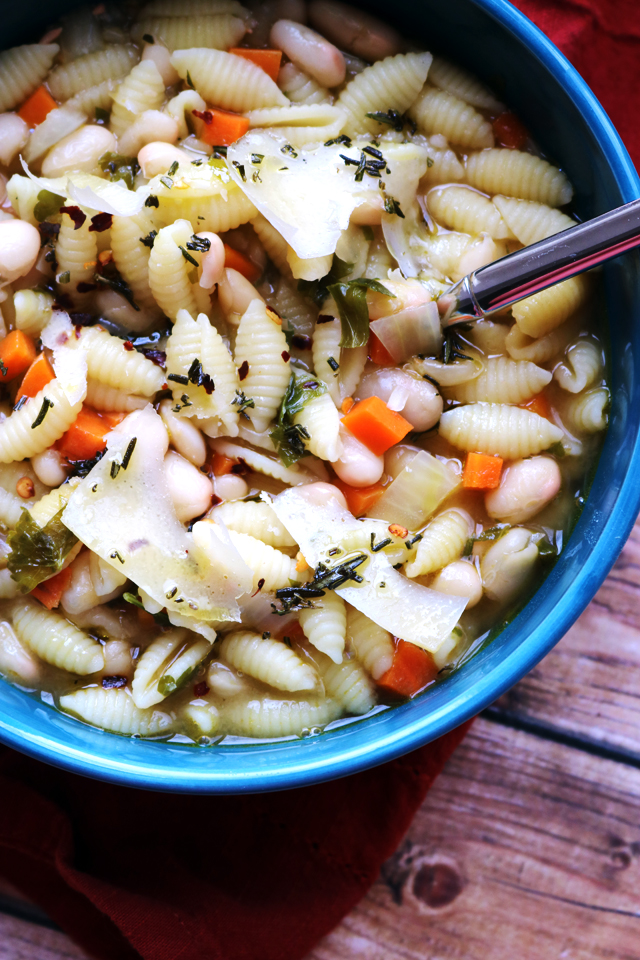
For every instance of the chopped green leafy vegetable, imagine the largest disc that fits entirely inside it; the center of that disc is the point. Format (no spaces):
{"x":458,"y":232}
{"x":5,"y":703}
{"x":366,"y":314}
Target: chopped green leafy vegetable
{"x":351,"y":300}
{"x":48,"y":205}
{"x":38,"y":553}
{"x":160,"y":618}
{"x":318,"y":290}
{"x":119,"y":167}
{"x":491,"y":533}
{"x":287,"y":436}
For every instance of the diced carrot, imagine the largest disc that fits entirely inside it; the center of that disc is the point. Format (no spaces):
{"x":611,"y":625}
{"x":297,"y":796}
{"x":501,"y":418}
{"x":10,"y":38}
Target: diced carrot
{"x":378,"y":353}
{"x":374,"y":424}
{"x":509,"y":131}
{"x":412,"y":669}
{"x":347,"y":404}
{"x":39,"y":374}
{"x":221,"y":128}
{"x":86,"y":436}
{"x":17,"y":353}
{"x":540,"y":405}
{"x":267,"y":60}
{"x":360,"y":499}
{"x":238,"y":261}
{"x":50,"y":591}
{"x":221,"y":465}
{"x":34,"y":110}
{"x":112,"y":418}
{"x":482,"y":472}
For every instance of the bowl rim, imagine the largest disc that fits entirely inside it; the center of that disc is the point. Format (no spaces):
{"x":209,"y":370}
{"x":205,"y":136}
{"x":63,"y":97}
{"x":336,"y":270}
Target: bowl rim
{"x":309,"y":766}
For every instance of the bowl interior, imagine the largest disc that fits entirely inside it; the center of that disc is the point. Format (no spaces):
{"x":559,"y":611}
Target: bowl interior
{"x":496,"y":42}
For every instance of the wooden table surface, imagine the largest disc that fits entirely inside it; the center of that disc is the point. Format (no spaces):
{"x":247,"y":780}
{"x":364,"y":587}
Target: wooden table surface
{"x":528,"y":846}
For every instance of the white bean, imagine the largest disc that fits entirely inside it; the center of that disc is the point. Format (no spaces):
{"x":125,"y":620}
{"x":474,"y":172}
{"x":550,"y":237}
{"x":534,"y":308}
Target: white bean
{"x":80,"y":595}
{"x":81,"y":150}
{"x":112,"y":306}
{"x":184,"y":435}
{"x":319,"y":493}
{"x":212,"y":262}
{"x":235,"y":293}
{"x":416,"y":399}
{"x":14,"y":133}
{"x":357,"y":466}
{"x":224,"y":681}
{"x":190,"y":490}
{"x":156,"y":157}
{"x":48,"y":468}
{"x":459,"y":579}
{"x":525,"y":488}
{"x":150,"y":126}
{"x":105,"y":578}
{"x":508,"y":564}
{"x":308,"y":50}
{"x":162,"y":59}
{"x":230,"y":487}
{"x":354,"y":30}
{"x":117,"y":659}
{"x":19,"y":248}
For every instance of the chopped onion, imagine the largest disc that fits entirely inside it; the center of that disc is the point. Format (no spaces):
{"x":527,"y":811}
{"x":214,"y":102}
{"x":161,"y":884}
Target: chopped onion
{"x":417,"y":492}
{"x":57,"y":124}
{"x":410,"y":332}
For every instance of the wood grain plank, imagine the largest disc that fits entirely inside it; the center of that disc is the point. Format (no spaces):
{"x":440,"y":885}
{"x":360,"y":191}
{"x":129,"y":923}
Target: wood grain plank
{"x":523,"y":848}
{"x":589,"y":685}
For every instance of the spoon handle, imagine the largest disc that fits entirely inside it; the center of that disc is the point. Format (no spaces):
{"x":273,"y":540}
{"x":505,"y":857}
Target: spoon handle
{"x":521,"y":274}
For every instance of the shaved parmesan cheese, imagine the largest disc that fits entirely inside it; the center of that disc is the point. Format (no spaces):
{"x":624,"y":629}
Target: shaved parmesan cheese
{"x":70,"y":365}
{"x":94,"y":193}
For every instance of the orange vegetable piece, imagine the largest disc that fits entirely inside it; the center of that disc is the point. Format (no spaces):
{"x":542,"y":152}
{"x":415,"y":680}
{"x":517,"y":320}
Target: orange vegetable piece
{"x":509,"y":131}
{"x":221,"y":465}
{"x":34,"y":110}
{"x":39,"y":374}
{"x":360,"y":499}
{"x":374,"y":424}
{"x":50,"y":591}
{"x":347,"y":404}
{"x":238,"y":261}
{"x":267,"y":60}
{"x":412,"y":669}
{"x":112,"y":418}
{"x":86,"y":436}
{"x":378,"y":353}
{"x":17,"y":353}
{"x":540,"y":405}
{"x":221,"y":128}
{"x":482,"y":472}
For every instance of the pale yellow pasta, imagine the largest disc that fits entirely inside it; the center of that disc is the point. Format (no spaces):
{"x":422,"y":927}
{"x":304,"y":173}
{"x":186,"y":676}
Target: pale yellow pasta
{"x":169,"y":270}
{"x":299,"y":87}
{"x":269,"y":717}
{"x":379,"y":261}
{"x":215,"y":213}
{"x":347,"y":683}
{"x":109,"y":361}
{"x":219,"y":32}
{"x":581,"y":368}
{"x":11,"y":507}
{"x":436,"y":111}
{"x":443,"y":166}
{"x":259,"y":463}
{"x":228,"y":81}
{"x":390,"y":84}
{"x":115,"y":710}
{"x":270,"y":661}
{"x":79,"y":75}
{"x":518,"y":174}
{"x":443,"y":541}
{"x":181,"y":108}
{"x":321,"y":420}
{"x":32,"y":310}
{"x":271,"y":568}
{"x":530,"y":221}
{"x":100,"y":396}
{"x":489,"y":336}
{"x":326,"y":347}
{"x":521,"y":347}
{"x":131,"y":256}
{"x":166,"y":665}
{"x":353,"y":360}
{"x":90,"y":99}
{"x":23,"y":194}
{"x":454,"y":79}
{"x":76,"y":255}
{"x":543,"y":312}
{"x":276,"y":247}
{"x":19,"y":438}
{"x":502,"y":381}
{"x":300,"y":123}
{"x":22,"y":69}
{"x":313,"y":268}
{"x":262,"y":346}
{"x":141,"y":90}
{"x":202,"y":717}
{"x":587,"y":412}
{"x":55,"y":639}
{"x":466,"y":211}
{"x":325,"y":625}
{"x":194,"y":8}
{"x":499,"y":429}
{"x":445,"y":250}
{"x":51,"y":503}
{"x":257,"y":519}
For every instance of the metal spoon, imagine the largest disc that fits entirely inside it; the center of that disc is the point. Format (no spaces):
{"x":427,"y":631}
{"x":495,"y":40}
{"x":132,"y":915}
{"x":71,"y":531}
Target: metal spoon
{"x":541,"y":265}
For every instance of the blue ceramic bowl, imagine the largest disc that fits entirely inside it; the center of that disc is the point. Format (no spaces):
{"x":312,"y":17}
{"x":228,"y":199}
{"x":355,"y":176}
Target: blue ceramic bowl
{"x":506,"y":50}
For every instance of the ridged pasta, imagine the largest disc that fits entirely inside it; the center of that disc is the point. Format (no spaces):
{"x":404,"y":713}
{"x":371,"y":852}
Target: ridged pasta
{"x":181,"y":108}
{"x":262,"y":345}
{"x":521,"y":347}
{"x":218,"y":32}
{"x":11,"y":507}
{"x":278,"y":718}
{"x":543,"y":312}
{"x":169,"y":270}
{"x":51,"y":503}
{"x":466,"y":211}
{"x":325,"y":625}
{"x":215,"y":213}
{"x":502,"y":381}
{"x":194,"y":8}
{"x":202,"y":717}
{"x":23,"y":194}
{"x":90,"y":99}
{"x":276,"y":247}
{"x":109,"y":361}
{"x":326,"y":346}
{"x":257,"y":519}
{"x":100,"y":396}
{"x":518,"y":174}
{"x":22,"y":69}
{"x":348,"y":684}
{"x":166,"y":665}
{"x":270,"y":661}
{"x":260,"y":463}
{"x":55,"y":639}
{"x":444,"y":251}
{"x":454,"y":79}
{"x":19,"y":439}
{"x":33,"y":311}
{"x":443,"y":166}
{"x":227,"y":81}
{"x":499,"y":429}
{"x":353,"y":360}
{"x":113,"y":62}
{"x":131,"y":256}
{"x":76,"y":254}
{"x":299,"y":87}
{"x":114,"y":710}
{"x":436,"y":111}
{"x":379,"y":261}
{"x":443,"y":541}
{"x":581,"y":368}
{"x":530,"y":221}
{"x":312,"y":268}
{"x":300,"y":123}
{"x":141,"y":90}
{"x":320,"y":418}
{"x":587,"y":411}
{"x":392,"y":83}
{"x":274,"y":568}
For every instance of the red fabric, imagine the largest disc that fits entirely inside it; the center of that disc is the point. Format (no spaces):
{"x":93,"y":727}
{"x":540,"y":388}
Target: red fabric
{"x":130,"y":874}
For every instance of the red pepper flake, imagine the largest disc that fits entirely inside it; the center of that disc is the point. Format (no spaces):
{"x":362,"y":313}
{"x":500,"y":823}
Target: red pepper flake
{"x":101,"y":222}
{"x":204,"y":115}
{"x":285,"y":356}
{"x":62,"y":302}
{"x":324,"y":318}
{"x":128,"y":345}
{"x":260,"y":586}
{"x":201,"y":689}
{"x":109,"y":683}
{"x":301,"y":341}
{"x":243,"y":370}
{"x":76,"y":215}
{"x":158,"y":357}
{"x":397,"y":531}
{"x":215,"y":499}
{"x":510,"y":132}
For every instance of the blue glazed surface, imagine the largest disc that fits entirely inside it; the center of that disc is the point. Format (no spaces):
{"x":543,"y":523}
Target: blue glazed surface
{"x":506,"y":50}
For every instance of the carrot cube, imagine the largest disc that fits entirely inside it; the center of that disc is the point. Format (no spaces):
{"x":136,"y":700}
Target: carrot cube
{"x":238,"y":261}
{"x":17,"y":353}
{"x":360,"y":499}
{"x":482,"y":472}
{"x":411,"y":671}
{"x":267,"y":60}
{"x":34,"y":110}
{"x":86,"y":436}
{"x":374,"y":424}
